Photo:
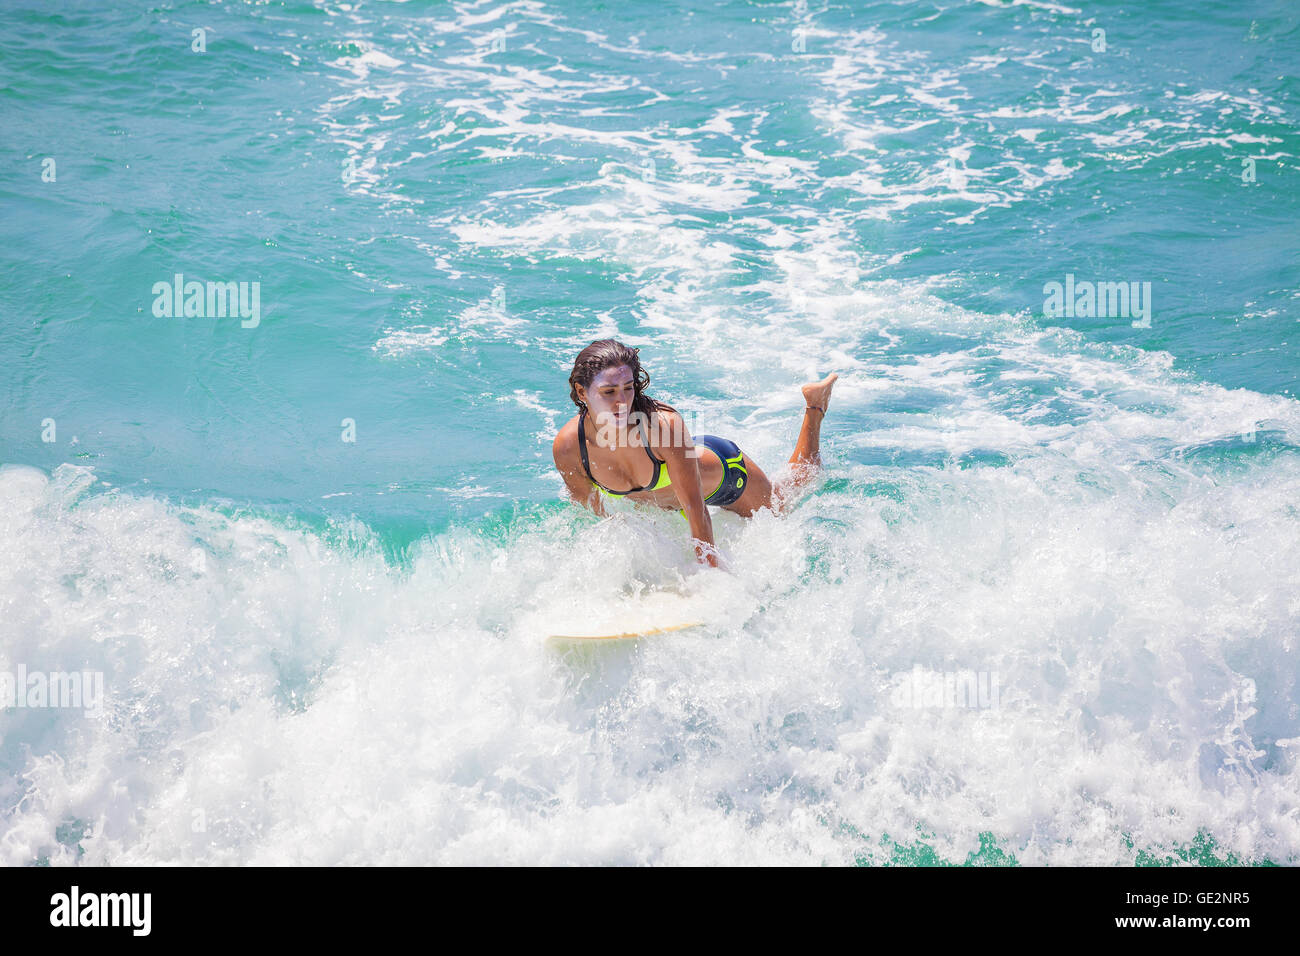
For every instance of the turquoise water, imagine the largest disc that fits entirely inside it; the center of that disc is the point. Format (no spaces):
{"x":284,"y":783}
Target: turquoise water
{"x":328,"y":650}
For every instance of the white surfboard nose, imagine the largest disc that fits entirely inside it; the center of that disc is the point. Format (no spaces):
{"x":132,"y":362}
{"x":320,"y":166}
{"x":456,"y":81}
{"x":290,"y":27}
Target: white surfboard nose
{"x":626,"y":635}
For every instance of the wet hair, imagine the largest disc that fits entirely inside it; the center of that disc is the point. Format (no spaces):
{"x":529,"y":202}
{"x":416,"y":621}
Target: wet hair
{"x":610,"y":353}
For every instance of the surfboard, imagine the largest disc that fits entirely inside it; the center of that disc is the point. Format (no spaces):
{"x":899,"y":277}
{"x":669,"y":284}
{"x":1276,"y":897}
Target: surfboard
{"x":568,"y":613}
{"x":571,"y":618}
{"x":625,"y":635}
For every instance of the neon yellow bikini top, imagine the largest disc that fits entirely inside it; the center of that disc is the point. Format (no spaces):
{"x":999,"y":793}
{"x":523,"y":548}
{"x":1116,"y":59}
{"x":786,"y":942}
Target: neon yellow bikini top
{"x":658,"y":480}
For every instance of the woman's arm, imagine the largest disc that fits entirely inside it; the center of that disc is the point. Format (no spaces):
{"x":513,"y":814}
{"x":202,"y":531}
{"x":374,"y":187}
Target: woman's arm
{"x":684,"y":469}
{"x":580,"y":489}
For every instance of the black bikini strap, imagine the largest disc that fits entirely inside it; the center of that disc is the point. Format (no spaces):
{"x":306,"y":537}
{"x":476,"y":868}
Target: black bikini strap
{"x":645,"y":439}
{"x":582,"y":445}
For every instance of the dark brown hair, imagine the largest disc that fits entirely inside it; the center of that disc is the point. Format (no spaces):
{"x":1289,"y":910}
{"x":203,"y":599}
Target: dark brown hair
{"x":610,"y":353}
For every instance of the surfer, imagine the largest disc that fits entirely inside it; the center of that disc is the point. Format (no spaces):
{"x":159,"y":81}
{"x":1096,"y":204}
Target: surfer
{"x":625,"y":444}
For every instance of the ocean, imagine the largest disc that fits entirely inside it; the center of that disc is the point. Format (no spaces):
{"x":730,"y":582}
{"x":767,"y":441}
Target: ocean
{"x":298,"y":534}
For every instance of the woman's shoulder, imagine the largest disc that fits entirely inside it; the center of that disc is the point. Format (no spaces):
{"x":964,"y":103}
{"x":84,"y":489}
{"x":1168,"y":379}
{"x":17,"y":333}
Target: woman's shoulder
{"x":665,"y":414}
{"x":566,"y":439}
{"x":667,"y":426}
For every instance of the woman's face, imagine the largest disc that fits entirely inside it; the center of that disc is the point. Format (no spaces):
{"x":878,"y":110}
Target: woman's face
{"x":609,"y":397}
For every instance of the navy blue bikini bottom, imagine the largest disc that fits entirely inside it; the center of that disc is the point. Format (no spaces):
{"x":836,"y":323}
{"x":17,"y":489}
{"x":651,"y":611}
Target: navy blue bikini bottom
{"x":732,"y":485}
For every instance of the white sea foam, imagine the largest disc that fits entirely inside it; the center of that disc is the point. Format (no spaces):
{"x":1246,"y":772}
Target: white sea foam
{"x":1129,"y":572}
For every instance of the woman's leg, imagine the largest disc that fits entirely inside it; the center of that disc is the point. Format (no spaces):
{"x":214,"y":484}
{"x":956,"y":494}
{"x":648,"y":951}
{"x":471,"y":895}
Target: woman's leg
{"x":759,"y":491}
{"x":806,"y":460}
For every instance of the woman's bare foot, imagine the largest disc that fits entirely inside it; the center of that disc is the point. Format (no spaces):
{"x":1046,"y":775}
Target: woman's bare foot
{"x":818,"y":394}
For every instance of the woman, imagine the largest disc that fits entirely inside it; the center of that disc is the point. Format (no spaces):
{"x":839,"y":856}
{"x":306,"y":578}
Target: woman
{"x":624,"y":444}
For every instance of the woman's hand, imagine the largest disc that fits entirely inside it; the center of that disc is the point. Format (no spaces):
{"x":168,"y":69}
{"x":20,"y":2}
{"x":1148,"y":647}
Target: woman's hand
{"x":709,"y":555}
